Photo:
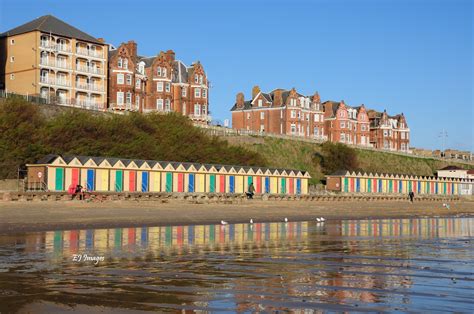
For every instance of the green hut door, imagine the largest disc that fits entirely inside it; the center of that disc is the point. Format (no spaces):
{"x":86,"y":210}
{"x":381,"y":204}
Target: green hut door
{"x":59,"y":184}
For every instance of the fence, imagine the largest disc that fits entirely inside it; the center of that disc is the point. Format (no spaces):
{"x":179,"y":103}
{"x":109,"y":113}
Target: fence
{"x":224,"y":131}
{"x":57,"y":101}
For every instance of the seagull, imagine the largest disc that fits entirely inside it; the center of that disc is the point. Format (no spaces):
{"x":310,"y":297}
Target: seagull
{"x":224,"y":222}
{"x":251,"y":220}
{"x":318,"y":219}
{"x":286,"y":219}
{"x":322,"y":219}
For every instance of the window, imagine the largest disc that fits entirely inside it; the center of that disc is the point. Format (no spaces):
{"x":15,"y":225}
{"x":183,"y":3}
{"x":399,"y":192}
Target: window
{"x":159,"y":86}
{"x":12,"y":41}
{"x":120,"y":98}
{"x":262,"y":115}
{"x":167,"y":104}
{"x":183,"y":91}
{"x":348,"y":125}
{"x":292,"y":102}
{"x":158,"y":71}
{"x":168,"y":87}
{"x":12,"y":59}
{"x":197,"y":92}
{"x":204,"y":110}
{"x":307,"y":117}
{"x":343,"y":124}
{"x":141,"y":68}
{"x":385,"y":133}
{"x":316,"y":131}
{"x":260,"y":103}
{"x":129,"y":98}
{"x":184,"y":108}
{"x":402,"y":135}
{"x":164,"y":72}
{"x":159,"y":104}
{"x":12,"y":77}
{"x":138,"y":83}
{"x":293,"y":114}
{"x":200,"y":79}
{"x":248,"y":116}
{"x":120,"y":78}
{"x":137,"y":101}
{"x":343,"y":137}
{"x":204,"y":93}
{"x":125,"y":63}
{"x":403,"y":146}
{"x":129,"y":79}
{"x":293,"y":128}
{"x":362,"y":127}
{"x":197,"y":109}
{"x":196,"y":78}
{"x":281,"y":115}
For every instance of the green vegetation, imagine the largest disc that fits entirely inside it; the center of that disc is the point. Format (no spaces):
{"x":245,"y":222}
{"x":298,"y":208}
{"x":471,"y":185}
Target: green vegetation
{"x":26,"y":135}
{"x":316,"y":158}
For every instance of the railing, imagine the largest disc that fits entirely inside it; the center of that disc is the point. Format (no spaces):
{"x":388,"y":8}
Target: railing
{"x":56,"y":47}
{"x":90,"y":53}
{"x":55,"y":63}
{"x":87,"y":104}
{"x":54,"y":81}
{"x":203,"y":117}
{"x":91,"y":87}
{"x":126,"y":106}
{"x":86,"y":69}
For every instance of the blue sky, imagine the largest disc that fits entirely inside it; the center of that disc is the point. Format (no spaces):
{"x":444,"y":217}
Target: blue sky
{"x":409,"y":56}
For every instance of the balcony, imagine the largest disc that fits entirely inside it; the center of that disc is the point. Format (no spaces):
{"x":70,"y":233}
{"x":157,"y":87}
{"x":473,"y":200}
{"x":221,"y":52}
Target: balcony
{"x":90,"y":53}
{"x":126,"y":106}
{"x":89,"y":87}
{"x":88,"y":104}
{"x":52,"y":46}
{"x":55,"y":63}
{"x":92,"y":70}
{"x":55,"y":81}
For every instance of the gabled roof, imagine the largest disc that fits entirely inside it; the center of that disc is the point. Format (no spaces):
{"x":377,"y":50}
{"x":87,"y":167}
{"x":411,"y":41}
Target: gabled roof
{"x":53,"y":25}
{"x":452,"y":168}
{"x":47,"y":159}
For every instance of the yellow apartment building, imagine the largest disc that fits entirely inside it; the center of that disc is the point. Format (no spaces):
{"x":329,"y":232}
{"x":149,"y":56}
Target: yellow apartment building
{"x":49,"y":58}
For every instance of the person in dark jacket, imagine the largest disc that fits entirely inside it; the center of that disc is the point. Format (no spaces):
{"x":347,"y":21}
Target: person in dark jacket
{"x":411,"y":195}
{"x":251,"y":191}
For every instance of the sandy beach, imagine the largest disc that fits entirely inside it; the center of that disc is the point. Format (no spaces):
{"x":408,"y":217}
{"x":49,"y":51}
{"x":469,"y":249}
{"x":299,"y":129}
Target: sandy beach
{"x":42,"y":216}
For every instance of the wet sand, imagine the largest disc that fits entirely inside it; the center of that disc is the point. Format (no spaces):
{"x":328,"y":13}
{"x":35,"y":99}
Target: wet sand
{"x":43,"y":216}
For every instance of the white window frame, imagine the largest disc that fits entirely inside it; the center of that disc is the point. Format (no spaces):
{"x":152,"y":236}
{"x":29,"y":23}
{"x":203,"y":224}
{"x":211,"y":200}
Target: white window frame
{"x":168,"y":87}
{"x":260,"y":103}
{"x":342,"y":124}
{"x":119,"y":63}
{"x":120,"y":98}
{"x":197,"y":109}
{"x":293,"y":128}
{"x":164,"y":72}
{"x":262,"y":115}
{"x":128,"y":98}
{"x":125,"y":64}
{"x":129,"y":79}
{"x":293,"y":113}
{"x":12,"y":77}
{"x":167,"y":105}
{"x":196,"y":78}
{"x":137,"y":100}
{"x":12,"y":42}
{"x":120,"y":78}
{"x":197,"y":93}
{"x":159,"y":104}
{"x":204,"y":93}
{"x":183,"y":92}
{"x":158,"y":71}
{"x":159,"y":86}
{"x":138,"y":83}
{"x":12,"y":59}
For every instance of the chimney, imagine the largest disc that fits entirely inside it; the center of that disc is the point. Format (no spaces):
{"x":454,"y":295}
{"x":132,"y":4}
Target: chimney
{"x":132,"y":47}
{"x":101,"y":40}
{"x":170,"y":55}
{"x":240,"y":100}
{"x":255,"y":91}
{"x":277,"y":98}
{"x":316,"y":98}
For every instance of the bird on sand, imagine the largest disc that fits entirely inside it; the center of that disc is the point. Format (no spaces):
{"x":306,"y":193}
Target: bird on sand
{"x":224,"y":222}
{"x":286,"y":219}
{"x":251,"y":220}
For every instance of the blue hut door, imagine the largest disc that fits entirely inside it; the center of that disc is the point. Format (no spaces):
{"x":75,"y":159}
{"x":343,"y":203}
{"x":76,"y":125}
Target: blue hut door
{"x":191,"y":183}
{"x":298,"y":186}
{"x":90,"y":179}
{"x":232,"y":184}
{"x":267,"y":185}
{"x":144,"y":181}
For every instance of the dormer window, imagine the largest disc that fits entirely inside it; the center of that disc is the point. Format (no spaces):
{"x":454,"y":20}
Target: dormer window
{"x":260,"y":103}
{"x":119,"y":63}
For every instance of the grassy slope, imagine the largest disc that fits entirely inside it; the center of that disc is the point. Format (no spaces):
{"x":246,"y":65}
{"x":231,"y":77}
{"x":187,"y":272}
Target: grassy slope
{"x":298,"y":155}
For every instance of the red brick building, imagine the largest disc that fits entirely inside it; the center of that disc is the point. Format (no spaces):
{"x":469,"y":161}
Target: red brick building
{"x":279,"y":112}
{"x":346,"y":124}
{"x":157,"y":84}
{"x":291,"y":113}
{"x":389,"y":132}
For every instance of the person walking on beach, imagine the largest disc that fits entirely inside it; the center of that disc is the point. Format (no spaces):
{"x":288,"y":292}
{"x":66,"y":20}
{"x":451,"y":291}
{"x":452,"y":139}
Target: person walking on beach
{"x":251,"y":191}
{"x":411,"y":195}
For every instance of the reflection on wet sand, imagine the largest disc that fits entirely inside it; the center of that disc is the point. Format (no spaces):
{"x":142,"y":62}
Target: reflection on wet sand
{"x":367,"y":265}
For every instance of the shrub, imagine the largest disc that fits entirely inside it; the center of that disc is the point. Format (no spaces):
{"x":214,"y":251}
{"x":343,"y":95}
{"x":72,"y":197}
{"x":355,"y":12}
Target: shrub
{"x":336,"y":156}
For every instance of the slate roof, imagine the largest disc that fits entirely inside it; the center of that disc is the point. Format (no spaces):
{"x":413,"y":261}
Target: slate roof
{"x":452,"y":168}
{"x":83,"y":159}
{"x":53,"y":25}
